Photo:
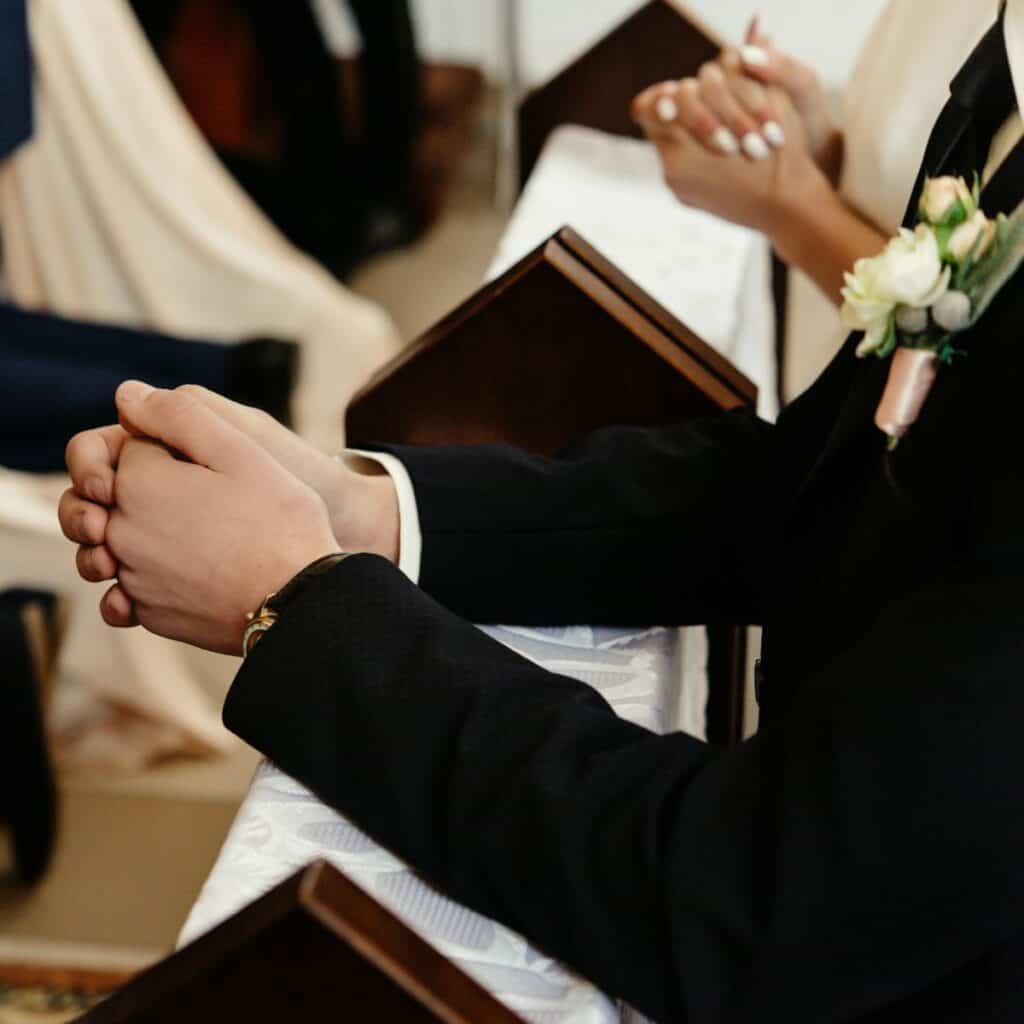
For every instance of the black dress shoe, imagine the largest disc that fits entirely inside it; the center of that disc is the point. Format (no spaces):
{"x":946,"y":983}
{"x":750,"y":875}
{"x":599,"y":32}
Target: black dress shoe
{"x":28,"y":795}
{"x":262,"y":373}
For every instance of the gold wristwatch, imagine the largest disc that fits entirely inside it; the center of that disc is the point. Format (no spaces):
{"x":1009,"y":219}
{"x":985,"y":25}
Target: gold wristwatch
{"x":259,"y":621}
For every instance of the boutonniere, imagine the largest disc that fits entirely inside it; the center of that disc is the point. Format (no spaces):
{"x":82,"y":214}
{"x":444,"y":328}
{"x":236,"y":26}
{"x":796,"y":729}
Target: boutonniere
{"x":927,"y":287}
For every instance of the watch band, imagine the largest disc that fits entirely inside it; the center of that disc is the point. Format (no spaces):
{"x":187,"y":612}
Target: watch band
{"x":261,"y":620}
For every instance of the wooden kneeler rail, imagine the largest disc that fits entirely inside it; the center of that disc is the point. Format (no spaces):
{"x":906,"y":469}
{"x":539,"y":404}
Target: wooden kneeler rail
{"x":559,"y":346}
{"x":664,"y":40}
{"x":316,"y":948}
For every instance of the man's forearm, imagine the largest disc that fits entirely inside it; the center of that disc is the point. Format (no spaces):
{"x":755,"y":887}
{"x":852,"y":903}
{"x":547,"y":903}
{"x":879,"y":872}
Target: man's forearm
{"x":634,"y":526}
{"x":672,"y":875}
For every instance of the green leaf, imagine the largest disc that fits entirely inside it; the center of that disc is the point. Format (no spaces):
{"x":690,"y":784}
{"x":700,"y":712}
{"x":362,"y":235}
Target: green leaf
{"x":943,"y":234}
{"x":954,"y":218}
{"x":997,"y":272}
{"x":891,"y":340}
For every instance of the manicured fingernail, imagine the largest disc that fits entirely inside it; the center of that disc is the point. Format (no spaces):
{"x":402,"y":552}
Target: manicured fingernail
{"x":725,"y":142}
{"x":755,"y":147}
{"x":755,"y":56}
{"x":133,"y":391}
{"x":667,"y":109}
{"x":774,"y":133}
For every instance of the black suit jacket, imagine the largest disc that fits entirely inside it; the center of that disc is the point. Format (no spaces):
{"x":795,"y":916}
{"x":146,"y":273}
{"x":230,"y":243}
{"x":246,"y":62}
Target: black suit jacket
{"x":860,"y":859}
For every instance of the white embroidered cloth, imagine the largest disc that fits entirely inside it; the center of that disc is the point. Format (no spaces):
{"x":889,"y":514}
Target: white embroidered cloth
{"x":655,"y":678}
{"x":713,"y":276}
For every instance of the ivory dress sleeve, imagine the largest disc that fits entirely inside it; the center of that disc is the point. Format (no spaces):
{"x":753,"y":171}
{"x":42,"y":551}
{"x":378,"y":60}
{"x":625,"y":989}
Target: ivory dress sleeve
{"x":899,"y":85}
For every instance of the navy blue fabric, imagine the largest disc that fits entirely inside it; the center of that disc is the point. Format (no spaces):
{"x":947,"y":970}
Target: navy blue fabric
{"x":58,"y":376}
{"x":15,"y":77}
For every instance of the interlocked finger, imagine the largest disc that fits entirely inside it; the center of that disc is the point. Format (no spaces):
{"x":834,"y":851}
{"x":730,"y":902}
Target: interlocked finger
{"x":718,"y":96}
{"x":92,"y":457}
{"x":83,"y":522}
{"x":754,"y":97}
{"x":117,"y":609}
{"x":96,"y":564}
{"x":701,"y":122}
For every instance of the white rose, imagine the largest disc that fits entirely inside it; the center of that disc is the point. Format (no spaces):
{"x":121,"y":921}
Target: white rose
{"x":941,"y":196}
{"x":978,"y":231}
{"x":866,"y":307}
{"x":910,"y":270}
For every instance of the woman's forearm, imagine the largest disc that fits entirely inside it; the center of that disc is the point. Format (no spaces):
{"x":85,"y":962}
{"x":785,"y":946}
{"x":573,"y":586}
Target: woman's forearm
{"x":821,"y":235}
{"x":831,"y":155}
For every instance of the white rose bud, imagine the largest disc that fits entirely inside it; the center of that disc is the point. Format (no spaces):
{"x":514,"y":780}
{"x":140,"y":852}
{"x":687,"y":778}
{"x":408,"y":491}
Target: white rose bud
{"x":973,"y":237}
{"x":912,"y":321}
{"x":942,"y":196}
{"x":952,"y":312}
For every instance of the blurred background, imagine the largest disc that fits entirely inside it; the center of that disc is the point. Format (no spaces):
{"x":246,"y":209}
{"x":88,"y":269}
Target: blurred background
{"x":207,"y":190}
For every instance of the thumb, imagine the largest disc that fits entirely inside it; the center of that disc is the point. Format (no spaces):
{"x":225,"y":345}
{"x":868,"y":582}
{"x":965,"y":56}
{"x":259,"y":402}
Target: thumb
{"x":754,"y":36}
{"x":178,"y":420}
{"x":772,"y":67}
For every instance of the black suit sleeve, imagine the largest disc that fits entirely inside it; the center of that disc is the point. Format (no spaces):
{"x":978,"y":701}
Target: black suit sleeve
{"x":633,"y":526}
{"x":862,"y":846}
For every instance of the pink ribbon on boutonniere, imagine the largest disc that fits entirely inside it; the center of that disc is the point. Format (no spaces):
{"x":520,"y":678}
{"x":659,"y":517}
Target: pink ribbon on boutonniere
{"x":912,"y":373}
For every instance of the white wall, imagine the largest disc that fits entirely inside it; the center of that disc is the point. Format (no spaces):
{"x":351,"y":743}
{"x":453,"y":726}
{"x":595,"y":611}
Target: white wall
{"x":828,"y":33}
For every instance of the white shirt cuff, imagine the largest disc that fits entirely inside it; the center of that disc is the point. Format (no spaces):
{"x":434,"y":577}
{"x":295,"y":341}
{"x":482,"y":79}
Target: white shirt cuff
{"x":410,"y":536}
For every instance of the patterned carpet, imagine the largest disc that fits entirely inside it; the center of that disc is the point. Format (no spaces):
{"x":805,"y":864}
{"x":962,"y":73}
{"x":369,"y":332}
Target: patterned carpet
{"x":47,"y":995}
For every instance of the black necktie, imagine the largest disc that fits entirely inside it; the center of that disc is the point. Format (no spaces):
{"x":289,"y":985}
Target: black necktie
{"x":981,"y":99}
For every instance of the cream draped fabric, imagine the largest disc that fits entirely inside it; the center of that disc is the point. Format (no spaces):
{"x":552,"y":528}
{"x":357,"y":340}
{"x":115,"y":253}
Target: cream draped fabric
{"x":117,"y":211}
{"x":899,"y":86}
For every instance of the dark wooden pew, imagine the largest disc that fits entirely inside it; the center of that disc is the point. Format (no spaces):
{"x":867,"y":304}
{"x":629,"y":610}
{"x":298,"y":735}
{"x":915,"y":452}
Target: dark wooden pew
{"x":560,"y":345}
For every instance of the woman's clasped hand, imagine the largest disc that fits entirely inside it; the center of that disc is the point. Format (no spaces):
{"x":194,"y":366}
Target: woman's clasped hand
{"x":742,"y":137}
{"x":749,"y":138}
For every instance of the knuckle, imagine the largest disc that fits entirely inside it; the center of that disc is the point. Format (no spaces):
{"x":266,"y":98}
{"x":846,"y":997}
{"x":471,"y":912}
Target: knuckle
{"x":180,"y":402}
{"x":710,"y":72}
{"x":172,"y":405}
{"x":86,"y":564}
{"x":753,"y":95}
{"x":194,"y":392}
{"x":706,"y":126}
{"x":80,"y":454}
{"x":81,"y":519}
{"x":64,"y":507}
{"x":730,"y":59}
{"x":114,"y":607}
{"x":690,"y":103}
{"x":711,"y":79}
{"x":804,"y":76}
{"x":82,"y":523}
{"x":74,"y":447}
